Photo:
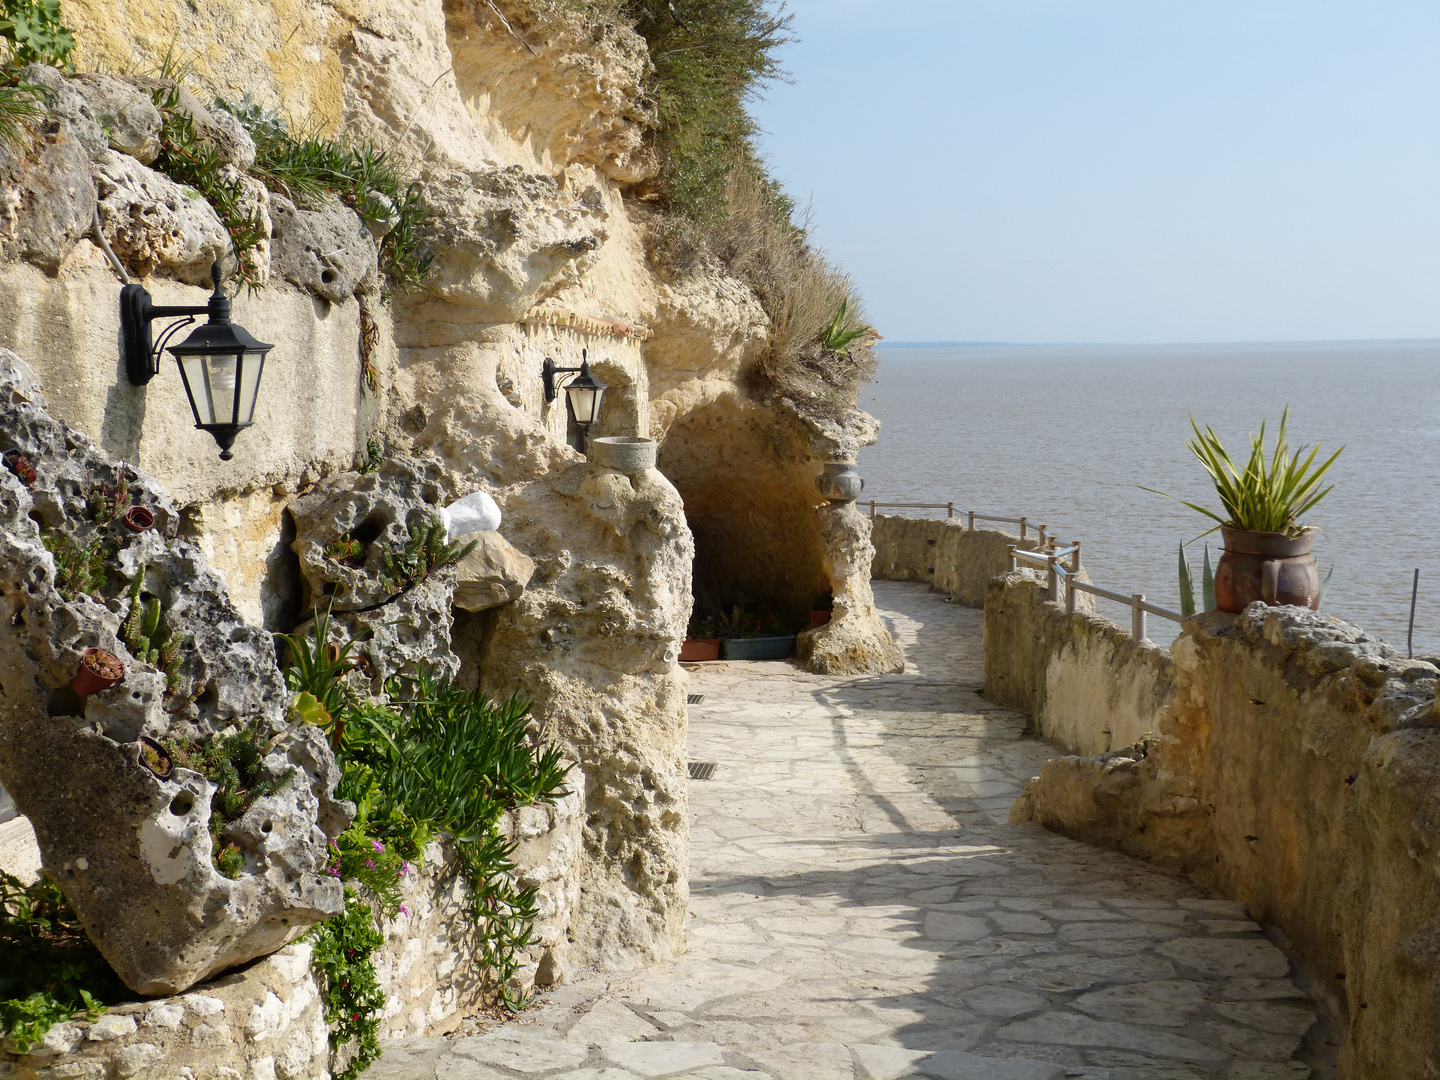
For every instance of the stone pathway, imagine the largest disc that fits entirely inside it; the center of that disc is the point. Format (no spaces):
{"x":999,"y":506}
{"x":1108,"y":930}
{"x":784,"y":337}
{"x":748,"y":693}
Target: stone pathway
{"x":860,"y":910}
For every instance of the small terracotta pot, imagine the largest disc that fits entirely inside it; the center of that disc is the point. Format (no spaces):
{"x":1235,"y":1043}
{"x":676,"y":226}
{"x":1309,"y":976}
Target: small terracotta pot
{"x":162,"y":766}
{"x":1272,"y":567}
{"x":138,"y":518}
{"x":819,"y":618}
{"x":99,"y":670}
{"x":697,"y":650}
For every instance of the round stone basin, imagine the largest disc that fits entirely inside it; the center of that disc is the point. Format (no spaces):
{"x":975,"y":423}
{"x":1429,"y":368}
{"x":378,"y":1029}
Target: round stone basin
{"x":623,"y":453}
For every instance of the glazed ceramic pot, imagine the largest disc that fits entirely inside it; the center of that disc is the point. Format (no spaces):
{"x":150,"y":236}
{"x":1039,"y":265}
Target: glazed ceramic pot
{"x":1267,"y":566}
{"x":840,"y":483}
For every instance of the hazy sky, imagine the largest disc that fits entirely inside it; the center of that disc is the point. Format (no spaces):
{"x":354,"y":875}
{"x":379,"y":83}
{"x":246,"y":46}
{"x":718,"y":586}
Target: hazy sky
{"x":1121,"y":170}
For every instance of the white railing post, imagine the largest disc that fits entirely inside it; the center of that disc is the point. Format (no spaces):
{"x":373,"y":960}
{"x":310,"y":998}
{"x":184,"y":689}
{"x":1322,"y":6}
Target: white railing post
{"x":950,"y":510}
{"x":1022,"y":528}
{"x":1052,"y":578}
{"x":872,"y":509}
{"x":1014,"y":563}
{"x":971,"y":526}
{"x":1070,"y":594}
{"x":1042,"y":536}
{"x":1137,"y":617}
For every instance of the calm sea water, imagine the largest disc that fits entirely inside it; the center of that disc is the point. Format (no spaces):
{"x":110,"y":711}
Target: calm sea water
{"x":1063,"y":434}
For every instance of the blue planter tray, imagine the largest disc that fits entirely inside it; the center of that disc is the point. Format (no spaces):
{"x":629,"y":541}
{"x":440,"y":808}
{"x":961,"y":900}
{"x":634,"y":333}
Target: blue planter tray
{"x":769,"y":647}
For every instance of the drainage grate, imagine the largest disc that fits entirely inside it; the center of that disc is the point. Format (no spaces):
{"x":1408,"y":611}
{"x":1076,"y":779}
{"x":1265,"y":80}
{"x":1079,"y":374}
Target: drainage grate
{"x":702,"y":770}
{"x":694,"y":699}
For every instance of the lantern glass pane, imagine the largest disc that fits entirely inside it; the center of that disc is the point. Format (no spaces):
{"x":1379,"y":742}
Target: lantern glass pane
{"x":250,"y":368}
{"x":197,"y":381}
{"x":585,"y":402}
{"x":224,"y":369}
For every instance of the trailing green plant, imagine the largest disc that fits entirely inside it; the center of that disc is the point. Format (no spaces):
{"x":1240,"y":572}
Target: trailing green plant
{"x":142,"y":635}
{"x":360,"y":856}
{"x":49,"y":968}
{"x":197,"y":162}
{"x":234,"y":763}
{"x":1265,"y":495}
{"x":35,"y":33}
{"x":306,"y":168}
{"x":426,"y":551}
{"x":344,"y":949}
{"x":79,"y":569}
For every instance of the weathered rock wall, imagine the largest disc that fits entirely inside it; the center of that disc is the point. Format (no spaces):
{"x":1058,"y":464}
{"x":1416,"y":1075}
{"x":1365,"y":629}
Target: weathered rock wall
{"x":1086,"y":683}
{"x":943,"y":553}
{"x":268,"y":1020}
{"x":1296,"y":771}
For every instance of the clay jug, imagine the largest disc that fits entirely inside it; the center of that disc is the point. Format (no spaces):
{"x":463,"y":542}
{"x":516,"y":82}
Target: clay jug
{"x":1272,"y":567}
{"x":840,"y":483}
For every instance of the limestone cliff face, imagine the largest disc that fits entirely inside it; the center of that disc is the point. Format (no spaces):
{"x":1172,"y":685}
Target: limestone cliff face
{"x":527,"y":140}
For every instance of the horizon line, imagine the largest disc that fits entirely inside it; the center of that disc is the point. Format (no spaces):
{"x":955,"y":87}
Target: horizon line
{"x":1147,"y":344}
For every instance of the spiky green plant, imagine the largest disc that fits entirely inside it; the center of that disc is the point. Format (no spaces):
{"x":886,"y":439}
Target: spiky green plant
{"x":841,"y":331}
{"x":426,"y":551}
{"x":79,"y":569}
{"x":1265,"y":495}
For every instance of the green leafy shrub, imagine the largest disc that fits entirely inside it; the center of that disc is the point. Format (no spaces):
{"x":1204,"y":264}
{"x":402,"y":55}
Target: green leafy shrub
{"x":49,"y":969}
{"x":354,"y":1003}
{"x":35,"y":33}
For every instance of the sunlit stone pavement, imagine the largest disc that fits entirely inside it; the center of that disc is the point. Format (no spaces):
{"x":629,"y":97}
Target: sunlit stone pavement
{"x":860,"y":910}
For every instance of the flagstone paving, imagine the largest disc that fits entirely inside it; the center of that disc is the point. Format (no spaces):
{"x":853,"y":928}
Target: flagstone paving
{"x":861,"y":910}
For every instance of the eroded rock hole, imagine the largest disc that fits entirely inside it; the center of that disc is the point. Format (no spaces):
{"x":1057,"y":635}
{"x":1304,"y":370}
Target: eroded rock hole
{"x":267,"y":828}
{"x":182,"y":804}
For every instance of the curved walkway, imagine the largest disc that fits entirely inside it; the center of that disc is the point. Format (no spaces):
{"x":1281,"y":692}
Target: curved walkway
{"x":860,"y":910}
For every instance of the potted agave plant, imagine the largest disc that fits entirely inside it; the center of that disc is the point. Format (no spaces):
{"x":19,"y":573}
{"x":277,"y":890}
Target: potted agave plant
{"x":1267,"y":548}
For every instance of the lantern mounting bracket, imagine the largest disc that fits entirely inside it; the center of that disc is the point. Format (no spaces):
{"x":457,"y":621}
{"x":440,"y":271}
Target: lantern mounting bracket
{"x":137,"y":312}
{"x":548,"y":371}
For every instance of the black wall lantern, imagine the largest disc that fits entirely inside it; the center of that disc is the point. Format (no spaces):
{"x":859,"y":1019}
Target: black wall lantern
{"x":220,"y":363}
{"x":584,"y":391}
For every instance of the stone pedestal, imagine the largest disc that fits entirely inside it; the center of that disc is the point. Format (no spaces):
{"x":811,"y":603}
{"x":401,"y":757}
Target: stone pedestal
{"x":854,"y":641}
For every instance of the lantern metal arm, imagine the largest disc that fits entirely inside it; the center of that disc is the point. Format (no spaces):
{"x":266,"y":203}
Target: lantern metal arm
{"x":137,"y":312}
{"x":549,"y":370}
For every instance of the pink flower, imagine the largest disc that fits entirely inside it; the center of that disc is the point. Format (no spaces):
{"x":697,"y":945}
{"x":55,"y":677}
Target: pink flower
{"x":404,"y":910}
{"x":369,"y":865}
{"x":332,"y":871}
{"x":404,"y":869}
{"x":377,"y":845}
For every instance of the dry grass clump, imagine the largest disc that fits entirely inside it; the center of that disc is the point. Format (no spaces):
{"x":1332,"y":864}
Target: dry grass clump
{"x":819,"y":350}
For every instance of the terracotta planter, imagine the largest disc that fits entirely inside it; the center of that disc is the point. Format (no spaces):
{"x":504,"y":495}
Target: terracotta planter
{"x":138,"y":518}
{"x":818,"y":619}
{"x":1271,"y":567}
{"x":698,"y":650}
{"x":99,"y":670}
{"x":154,"y":758}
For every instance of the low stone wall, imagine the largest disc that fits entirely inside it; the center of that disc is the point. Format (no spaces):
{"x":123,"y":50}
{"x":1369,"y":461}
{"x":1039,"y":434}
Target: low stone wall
{"x":942,"y":553}
{"x":1088,"y":685}
{"x":267,"y":1021}
{"x":1297,"y":770}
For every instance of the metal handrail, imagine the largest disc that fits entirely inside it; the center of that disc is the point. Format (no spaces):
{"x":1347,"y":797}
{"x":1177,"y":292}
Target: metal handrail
{"x":1057,"y":573}
{"x":970,"y":515}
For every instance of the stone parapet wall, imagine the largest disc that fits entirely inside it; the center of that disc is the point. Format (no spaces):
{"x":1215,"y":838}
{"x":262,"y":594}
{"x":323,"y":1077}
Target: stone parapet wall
{"x":266,"y":1021}
{"x":943,"y":553}
{"x":1297,"y":770}
{"x":1087,"y":684}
